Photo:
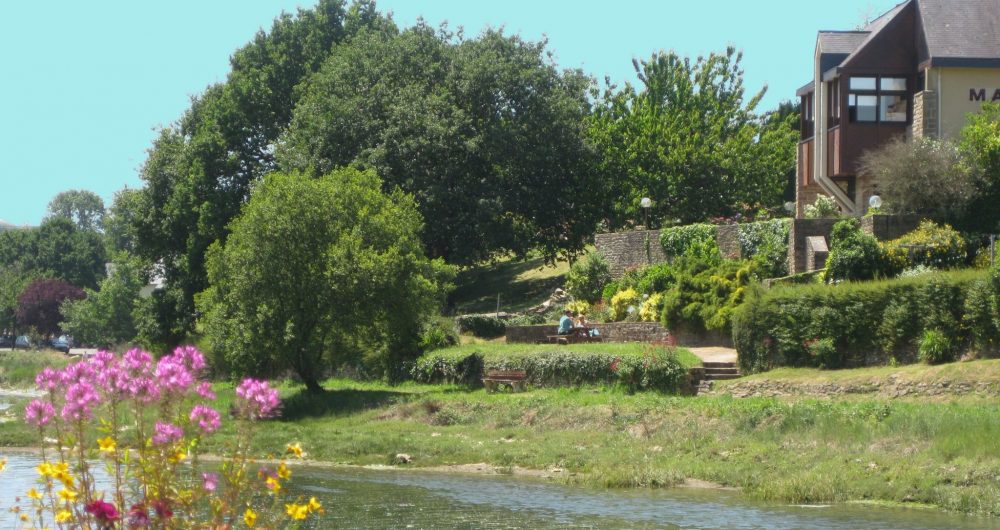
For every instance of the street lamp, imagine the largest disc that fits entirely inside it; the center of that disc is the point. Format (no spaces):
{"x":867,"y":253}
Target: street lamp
{"x":646,"y":203}
{"x":875,"y":201}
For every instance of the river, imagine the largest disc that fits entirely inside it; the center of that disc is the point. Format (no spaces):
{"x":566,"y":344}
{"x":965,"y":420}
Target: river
{"x":364,"y":498}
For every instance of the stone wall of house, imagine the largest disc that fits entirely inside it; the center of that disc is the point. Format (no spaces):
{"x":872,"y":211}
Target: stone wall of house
{"x":727,"y":237}
{"x":888,"y":227}
{"x":924,"y":114}
{"x":801,"y":230}
{"x":610,"y":332}
{"x":627,"y":250}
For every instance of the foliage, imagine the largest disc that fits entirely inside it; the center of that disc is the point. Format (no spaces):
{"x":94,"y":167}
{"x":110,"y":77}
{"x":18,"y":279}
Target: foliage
{"x":105,"y":317}
{"x":84,"y":208}
{"x":154,"y":416}
{"x":906,"y":169}
{"x":936,"y":348}
{"x":439,"y":332}
{"x":980,"y":146}
{"x":486,"y":133}
{"x":865,"y":319}
{"x":655,"y":279}
{"x":57,"y":248}
{"x":691,"y":140}
{"x":689,"y":239}
{"x":13,"y":280}
{"x":823,"y":353}
{"x":930,"y":245}
{"x":654,"y":368}
{"x":823,"y":207}
{"x":855,"y":255}
{"x":314,"y":264}
{"x":766,"y":243}
{"x":651,"y":308}
{"x":705,"y":295}
{"x":485,"y":326}
{"x":38,"y":305}
{"x":587,"y":277}
{"x":622,"y":301}
{"x":529,"y":319}
{"x":578,"y":307}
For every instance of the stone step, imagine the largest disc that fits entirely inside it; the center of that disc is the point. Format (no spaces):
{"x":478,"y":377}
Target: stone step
{"x":718,"y":364}
{"x":721,"y":371}
{"x":718,"y":377}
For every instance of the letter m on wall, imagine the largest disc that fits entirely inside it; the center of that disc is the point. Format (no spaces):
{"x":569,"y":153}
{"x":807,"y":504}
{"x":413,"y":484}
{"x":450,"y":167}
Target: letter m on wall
{"x":977,"y":96}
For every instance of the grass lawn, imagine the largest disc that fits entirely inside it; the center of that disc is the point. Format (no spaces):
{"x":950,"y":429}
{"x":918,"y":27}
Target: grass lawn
{"x":973,"y":372}
{"x":520,"y":284}
{"x":512,"y":351}
{"x":18,"y":368}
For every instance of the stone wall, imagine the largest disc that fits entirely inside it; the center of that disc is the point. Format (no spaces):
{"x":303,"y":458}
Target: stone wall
{"x":610,"y":332}
{"x":800,"y":230}
{"x":924,"y":114}
{"x":727,"y":237}
{"x":888,"y":227}
{"x":626,"y":250}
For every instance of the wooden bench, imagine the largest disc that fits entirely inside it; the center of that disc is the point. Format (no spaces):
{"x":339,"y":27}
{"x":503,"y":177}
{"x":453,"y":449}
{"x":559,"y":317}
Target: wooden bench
{"x":498,"y":379}
{"x":573,"y":338}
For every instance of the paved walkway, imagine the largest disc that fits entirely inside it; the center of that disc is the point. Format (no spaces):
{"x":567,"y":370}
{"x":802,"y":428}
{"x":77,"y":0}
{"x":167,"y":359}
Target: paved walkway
{"x":716,"y":354}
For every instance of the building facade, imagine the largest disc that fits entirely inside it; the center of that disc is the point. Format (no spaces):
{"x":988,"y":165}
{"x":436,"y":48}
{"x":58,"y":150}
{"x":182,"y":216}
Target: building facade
{"x":915,"y":71}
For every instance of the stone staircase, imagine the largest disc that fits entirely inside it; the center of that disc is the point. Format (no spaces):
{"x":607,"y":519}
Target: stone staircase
{"x":716,"y":371}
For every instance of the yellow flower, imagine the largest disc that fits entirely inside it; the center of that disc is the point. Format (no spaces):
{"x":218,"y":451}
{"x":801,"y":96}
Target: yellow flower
{"x":24,"y":517}
{"x":273,"y":484}
{"x":3,"y":464}
{"x":107,"y":445}
{"x":314,"y":505}
{"x":63,"y":516}
{"x":295,"y":449}
{"x":284,"y":472}
{"x":179,"y":456}
{"x":34,"y":494}
{"x":297,"y":512}
{"x":67,"y":495}
{"x":249,"y":517}
{"x":44,"y":469}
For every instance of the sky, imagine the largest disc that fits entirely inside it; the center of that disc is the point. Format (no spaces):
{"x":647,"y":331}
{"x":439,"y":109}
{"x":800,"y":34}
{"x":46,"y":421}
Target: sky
{"x":84,"y":86}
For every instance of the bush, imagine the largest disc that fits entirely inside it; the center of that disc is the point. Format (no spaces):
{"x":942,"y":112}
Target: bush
{"x":654,"y":369}
{"x":684,"y":240}
{"x":766,"y":243}
{"x":651,"y":308}
{"x":823,"y":207}
{"x":655,"y":279}
{"x":824,"y":353}
{"x":484,"y":326}
{"x":438,"y":332}
{"x":936,"y":348}
{"x":865,"y":320}
{"x":587,"y":277}
{"x":930,"y":245}
{"x":855,"y":255}
{"x":981,"y":315}
{"x":704,"y":295}
{"x":578,"y":307}
{"x":528,"y":319}
{"x":622,"y":301}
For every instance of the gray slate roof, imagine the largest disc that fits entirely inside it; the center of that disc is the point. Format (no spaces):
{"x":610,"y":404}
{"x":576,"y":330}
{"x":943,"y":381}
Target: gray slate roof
{"x":961,"y":29}
{"x":840,"y":41}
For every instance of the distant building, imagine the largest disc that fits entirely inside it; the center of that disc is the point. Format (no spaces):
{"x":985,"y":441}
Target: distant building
{"x":917,"y":70}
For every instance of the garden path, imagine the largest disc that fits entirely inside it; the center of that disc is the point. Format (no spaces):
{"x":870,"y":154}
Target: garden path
{"x":717,"y":354}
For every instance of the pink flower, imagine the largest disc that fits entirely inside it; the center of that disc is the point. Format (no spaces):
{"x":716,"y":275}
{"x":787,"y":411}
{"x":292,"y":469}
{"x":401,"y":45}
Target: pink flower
{"x":207,"y":418}
{"x":205,"y":391}
{"x":48,"y":380}
{"x":257,"y":399}
{"x":39,"y":413}
{"x":191,"y":357}
{"x":136,"y":360}
{"x":209,"y":481}
{"x":104,"y":512}
{"x":167,"y":433}
{"x":80,"y":400}
{"x":173,"y":376}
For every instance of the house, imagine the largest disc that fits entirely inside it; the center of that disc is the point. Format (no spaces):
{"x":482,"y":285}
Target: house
{"x":915,"y":71}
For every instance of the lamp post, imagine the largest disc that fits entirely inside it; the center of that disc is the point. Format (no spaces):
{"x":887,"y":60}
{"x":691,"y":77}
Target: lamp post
{"x":875,"y":201}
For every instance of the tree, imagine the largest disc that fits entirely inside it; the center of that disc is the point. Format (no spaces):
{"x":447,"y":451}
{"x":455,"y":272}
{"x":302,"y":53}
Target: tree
{"x":84,"y":208}
{"x":690,"y":141}
{"x":13,"y":280}
{"x":105,"y":316}
{"x":905,"y":170}
{"x":57,"y":249}
{"x":38,"y":305}
{"x":980,"y":146}
{"x":485,"y":133}
{"x":316,"y":264}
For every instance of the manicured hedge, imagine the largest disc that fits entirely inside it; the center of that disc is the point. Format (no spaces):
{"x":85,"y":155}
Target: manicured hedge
{"x":634,"y":367}
{"x":485,"y":326}
{"x":865,"y":321}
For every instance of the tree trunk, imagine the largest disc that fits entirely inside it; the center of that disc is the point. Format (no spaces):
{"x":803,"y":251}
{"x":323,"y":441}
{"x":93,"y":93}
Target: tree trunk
{"x":312,"y":385}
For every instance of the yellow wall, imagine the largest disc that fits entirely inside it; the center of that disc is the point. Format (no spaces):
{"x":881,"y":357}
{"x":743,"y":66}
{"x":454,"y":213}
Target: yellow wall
{"x":953,"y":94}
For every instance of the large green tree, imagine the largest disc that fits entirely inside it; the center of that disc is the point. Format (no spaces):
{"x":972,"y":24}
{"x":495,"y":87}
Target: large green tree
{"x":105,"y":317}
{"x":313,"y":265}
{"x":58,"y":249}
{"x":691,"y":140}
{"x":980,"y":147}
{"x":84,"y":208}
{"x":485,"y":133}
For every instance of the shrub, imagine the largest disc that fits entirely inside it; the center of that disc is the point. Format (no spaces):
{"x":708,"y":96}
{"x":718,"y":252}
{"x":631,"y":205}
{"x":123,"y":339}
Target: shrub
{"x":766,"y":243}
{"x":654,"y":369}
{"x":981,"y":315}
{"x":936,"y":347}
{"x":855,"y":255}
{"x":865,"y":320}
{"x":655,"y":279}
{"x":824,"y":353}
{"x":587,"y":277}
{"x":931,"y":245}
{"x":578,"y":307}
{"x":622,"y":301}
{"x":438,"y":332}
{"x":704,"y":295}
{"x":528,"y":319}
{"x":684,"y":240}
{"x":823,"y":207}
{"x":484,"y":326}
{"x":651,"y":308}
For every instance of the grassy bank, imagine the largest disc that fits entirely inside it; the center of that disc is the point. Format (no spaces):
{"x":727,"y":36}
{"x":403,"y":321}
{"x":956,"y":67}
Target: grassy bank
{"x":18,"y":368}
{"x":520,"y":285}
{"x":805,"y":450}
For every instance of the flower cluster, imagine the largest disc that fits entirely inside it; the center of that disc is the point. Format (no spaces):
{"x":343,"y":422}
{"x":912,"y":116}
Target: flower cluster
{"x":149,"y":417}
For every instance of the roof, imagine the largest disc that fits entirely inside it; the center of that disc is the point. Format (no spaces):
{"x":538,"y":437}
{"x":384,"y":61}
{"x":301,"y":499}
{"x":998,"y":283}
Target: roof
{"x":840,"y":41}
{"x":961,"y":32}
{"x":805,"y":89}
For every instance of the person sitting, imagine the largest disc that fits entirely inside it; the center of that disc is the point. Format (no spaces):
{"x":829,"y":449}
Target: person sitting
{"x":566,"y":323}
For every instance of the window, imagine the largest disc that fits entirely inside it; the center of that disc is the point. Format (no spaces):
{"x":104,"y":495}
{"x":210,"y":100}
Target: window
{"x":882,"y":99}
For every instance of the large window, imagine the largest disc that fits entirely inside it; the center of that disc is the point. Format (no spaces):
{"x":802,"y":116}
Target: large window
{"x":877,"y":99}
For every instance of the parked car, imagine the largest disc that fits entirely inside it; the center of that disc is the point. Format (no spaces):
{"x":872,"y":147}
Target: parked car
{"x":23,"y":342}
{"x":63,"y":343}
{"x":6,"y":341}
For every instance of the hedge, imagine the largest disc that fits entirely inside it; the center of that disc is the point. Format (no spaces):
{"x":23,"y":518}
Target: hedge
{"x":678,"y":239}
{"x":866,"y":321}
{"x":484,"y":326}
{"x":635,"y":368}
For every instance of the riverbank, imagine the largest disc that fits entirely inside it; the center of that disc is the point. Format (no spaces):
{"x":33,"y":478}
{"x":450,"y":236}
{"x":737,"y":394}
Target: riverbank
{"x":789,"y":449}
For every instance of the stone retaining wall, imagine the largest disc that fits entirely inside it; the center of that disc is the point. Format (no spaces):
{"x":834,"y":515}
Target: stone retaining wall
{"x":800,"y":230}
{"x":610,"y":332}
{"x":889,"y":227}
{"x":626,"y":250}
